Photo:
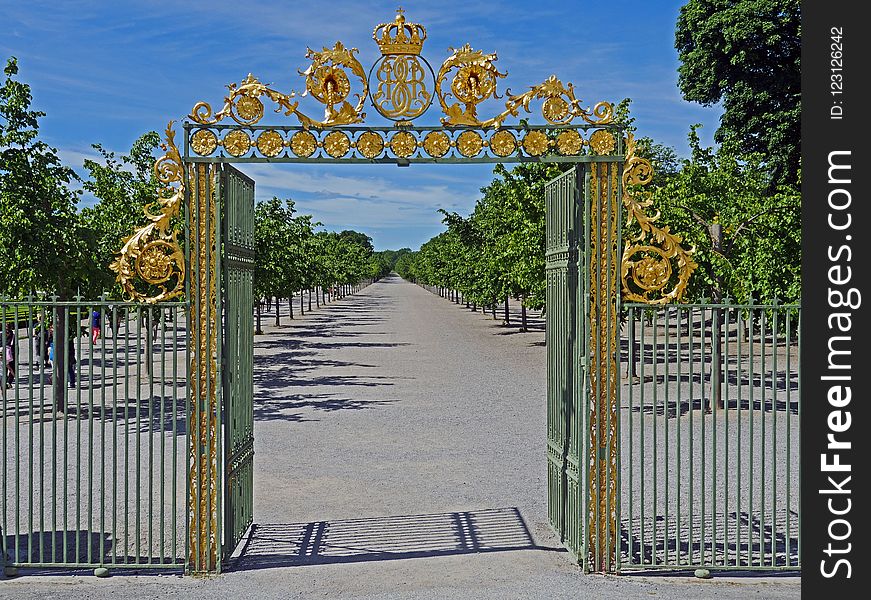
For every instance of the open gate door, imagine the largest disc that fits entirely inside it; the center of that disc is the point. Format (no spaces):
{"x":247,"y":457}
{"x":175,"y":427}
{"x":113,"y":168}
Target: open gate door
{"x":565,"y":483}
{"x":237,"y":358}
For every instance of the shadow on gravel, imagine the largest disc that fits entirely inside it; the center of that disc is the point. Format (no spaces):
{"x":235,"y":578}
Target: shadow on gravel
{"x":274,"y":408}
{"x":276,"y":545}
{"x":762,"y":544}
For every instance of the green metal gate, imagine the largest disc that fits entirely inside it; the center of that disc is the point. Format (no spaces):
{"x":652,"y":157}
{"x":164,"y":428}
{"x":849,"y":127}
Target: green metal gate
{"x":220,"y":264}
{"x":565,"y":477}
{"x":237,"y":194}
{"x":583,"y":299}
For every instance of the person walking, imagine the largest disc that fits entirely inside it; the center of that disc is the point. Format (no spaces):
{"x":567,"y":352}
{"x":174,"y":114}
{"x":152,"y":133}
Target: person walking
{"x":96,"y":326}
{"x":9,"y":351}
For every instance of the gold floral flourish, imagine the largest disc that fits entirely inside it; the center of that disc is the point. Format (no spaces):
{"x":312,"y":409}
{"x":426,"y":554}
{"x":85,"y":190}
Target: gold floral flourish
{"x":152,"y":254}
{"x":652,"y":271}
{"x":560,"y":107}
{"x":325,"y":80}
{"x":475,"y":81}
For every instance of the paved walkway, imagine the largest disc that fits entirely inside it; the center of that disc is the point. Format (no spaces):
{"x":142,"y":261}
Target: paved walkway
{"x":400,"y":454}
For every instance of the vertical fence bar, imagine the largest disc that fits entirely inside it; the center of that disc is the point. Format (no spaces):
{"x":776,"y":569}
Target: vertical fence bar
{"x":665,"y":413}
{"x":641,"y":414}
{"x":678,"y":420}
{"x":726,"y":408}
{"x":751,"y":453}
{"x":4,"y":526}
{"x":739,"y":449}
{"x":788,"y":340}
{"x":774,"y":407}
{"x":655,"y":450}
{"x":631,"y":440}
{"x":104,"y":312}
{"x":762,"y":409}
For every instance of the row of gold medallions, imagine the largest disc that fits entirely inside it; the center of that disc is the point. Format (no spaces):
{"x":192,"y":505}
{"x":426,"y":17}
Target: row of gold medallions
{"x":403,"y":144}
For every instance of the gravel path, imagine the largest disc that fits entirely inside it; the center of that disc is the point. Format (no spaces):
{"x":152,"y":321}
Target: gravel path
{"x":400,"y":453}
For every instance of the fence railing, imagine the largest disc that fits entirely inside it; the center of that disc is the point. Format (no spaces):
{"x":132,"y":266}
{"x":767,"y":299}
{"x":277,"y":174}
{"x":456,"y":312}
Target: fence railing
{"x":710,"y":407}
{"x":93,"y":434}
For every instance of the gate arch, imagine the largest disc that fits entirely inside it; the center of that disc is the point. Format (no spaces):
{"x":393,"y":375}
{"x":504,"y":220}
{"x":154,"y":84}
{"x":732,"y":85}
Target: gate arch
{"x":588,"y":269}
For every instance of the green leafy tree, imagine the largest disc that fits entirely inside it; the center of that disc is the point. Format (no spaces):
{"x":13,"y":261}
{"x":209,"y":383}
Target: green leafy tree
{"x":746,"y":54}
{"x":42,"y":241}
{"x":747,"y":238}
{"x":123,"y":187}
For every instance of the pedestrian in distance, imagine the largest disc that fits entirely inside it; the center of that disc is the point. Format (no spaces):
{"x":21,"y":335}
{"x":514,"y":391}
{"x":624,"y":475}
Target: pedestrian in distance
{"x":9,"y":348}
{"x":96,"y":326}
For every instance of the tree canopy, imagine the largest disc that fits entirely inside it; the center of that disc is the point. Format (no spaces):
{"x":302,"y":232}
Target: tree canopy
{"x":42,"y":242}
{"x":746,"y":54}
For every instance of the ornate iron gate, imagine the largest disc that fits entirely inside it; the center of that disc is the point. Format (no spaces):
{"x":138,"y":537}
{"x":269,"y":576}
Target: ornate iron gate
{"x":587,"y":274}
{"x":583,"y":299}
{"x":566,"y":480}
{"x":237,"y":202}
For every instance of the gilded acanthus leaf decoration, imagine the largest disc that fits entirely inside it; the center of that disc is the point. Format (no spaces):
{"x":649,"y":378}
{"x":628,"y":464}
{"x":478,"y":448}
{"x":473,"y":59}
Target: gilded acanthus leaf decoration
{"x":474,"y":81}
{"x":646,"y":269}
{"x":152,"y":254}
{"x":325,"y":80}
{"x":559,"y":105}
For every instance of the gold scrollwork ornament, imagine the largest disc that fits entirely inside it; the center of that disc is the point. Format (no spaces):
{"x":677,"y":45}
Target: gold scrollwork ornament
{"x":326,"y":80}
{"x":647,"y":259}
{"x":152,"y":254}
{"x":474,"y":82}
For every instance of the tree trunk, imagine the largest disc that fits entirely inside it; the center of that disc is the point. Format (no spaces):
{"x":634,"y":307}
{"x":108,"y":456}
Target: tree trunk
{"x":507,"y":314}
{"x":309,"y":300}
{"x":259,"y":330}
{"x":301,"y":300}
{"x":317,"y":297}
{"x":277,"y":313}
{"x":522,"y":315}
{"x":290,"y":305}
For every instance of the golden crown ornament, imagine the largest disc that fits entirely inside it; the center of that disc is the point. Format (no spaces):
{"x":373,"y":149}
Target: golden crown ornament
{"x":399,"y":37}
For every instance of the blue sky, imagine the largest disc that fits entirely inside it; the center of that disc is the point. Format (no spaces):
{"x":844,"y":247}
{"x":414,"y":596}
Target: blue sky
{"x":106,"y":72}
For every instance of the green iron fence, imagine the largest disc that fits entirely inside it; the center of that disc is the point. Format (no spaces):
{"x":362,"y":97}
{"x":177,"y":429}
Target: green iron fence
{"x":710,"y":412}
{"x":94,"y":434}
